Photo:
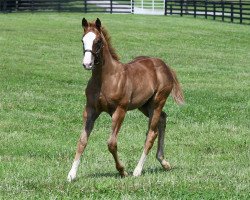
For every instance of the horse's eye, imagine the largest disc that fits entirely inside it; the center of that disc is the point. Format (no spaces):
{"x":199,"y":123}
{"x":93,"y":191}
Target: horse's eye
{"x":98,"y":41}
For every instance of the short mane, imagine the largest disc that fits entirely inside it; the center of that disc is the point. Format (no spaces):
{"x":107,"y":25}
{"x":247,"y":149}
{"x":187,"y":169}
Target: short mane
{"x":108,"y":40}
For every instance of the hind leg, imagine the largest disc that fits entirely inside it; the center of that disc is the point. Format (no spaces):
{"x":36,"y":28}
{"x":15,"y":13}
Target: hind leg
{"x":161,"y":136}
{"x":154,"y":112}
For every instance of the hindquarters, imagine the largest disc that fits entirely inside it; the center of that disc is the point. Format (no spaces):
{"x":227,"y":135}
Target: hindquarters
{"x":168,"y":82}
{"x":151,"y":79}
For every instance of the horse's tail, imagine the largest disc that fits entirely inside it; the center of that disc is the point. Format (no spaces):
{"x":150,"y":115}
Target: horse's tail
{"x":176,"y":92}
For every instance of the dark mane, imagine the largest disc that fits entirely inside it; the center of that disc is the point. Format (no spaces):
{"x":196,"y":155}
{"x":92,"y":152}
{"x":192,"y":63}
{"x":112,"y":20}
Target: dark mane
{"x":108,"y":40}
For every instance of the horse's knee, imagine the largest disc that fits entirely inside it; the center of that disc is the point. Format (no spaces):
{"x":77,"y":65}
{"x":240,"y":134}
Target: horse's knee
{"x":152,"y":135}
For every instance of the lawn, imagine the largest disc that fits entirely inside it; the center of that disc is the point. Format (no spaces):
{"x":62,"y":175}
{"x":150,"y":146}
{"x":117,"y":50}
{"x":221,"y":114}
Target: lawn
{"x":42,"y":97}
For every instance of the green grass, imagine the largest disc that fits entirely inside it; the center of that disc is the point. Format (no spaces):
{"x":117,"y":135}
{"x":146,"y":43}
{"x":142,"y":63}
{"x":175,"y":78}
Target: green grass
{"x":41,"y":103}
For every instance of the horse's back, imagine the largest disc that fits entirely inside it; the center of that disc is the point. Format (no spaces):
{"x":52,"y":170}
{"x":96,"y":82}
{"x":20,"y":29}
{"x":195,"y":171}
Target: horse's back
{"x":143,"y":66}
{"x":138,"y":58}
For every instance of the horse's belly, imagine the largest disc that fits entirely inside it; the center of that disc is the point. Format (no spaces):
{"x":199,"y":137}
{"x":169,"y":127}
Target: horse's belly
{"x":139,"y":100}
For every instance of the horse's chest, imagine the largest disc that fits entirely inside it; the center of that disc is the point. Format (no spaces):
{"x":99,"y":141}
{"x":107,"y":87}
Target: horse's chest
{"x":111,"y":94}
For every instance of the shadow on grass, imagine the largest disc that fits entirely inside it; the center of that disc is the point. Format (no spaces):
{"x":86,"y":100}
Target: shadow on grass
{"x":158,"y":169}
{"x":102,"y":175}
{"x":116,"y":175}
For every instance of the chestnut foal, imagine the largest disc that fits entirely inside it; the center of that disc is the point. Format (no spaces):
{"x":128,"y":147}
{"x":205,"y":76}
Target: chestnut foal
{"x":144,"y":83}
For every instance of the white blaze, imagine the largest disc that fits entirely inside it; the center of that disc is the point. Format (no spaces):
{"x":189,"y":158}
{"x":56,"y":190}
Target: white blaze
{"x":88,"y":58}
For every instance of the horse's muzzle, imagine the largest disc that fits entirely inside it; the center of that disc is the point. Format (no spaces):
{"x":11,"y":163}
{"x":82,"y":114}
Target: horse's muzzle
{"x":88,"y":66}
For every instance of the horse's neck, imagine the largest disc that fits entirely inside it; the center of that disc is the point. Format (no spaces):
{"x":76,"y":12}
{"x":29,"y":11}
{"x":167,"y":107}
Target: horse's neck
{"x":109,"y":66}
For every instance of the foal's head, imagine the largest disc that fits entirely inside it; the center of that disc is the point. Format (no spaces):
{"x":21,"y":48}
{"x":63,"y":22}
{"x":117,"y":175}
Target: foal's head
{"x":92,"y":43}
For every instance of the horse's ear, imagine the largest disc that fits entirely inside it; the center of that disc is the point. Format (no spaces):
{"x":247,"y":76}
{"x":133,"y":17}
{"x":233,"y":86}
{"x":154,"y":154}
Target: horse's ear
{"x":84,"y":23}
{"x":98,"y":24}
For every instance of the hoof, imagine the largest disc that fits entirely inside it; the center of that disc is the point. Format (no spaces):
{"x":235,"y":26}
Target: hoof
{"x":71,"y":176}
{"x":124,"y":174}
{"x":137,"y":172}
{"x":165,"y":165}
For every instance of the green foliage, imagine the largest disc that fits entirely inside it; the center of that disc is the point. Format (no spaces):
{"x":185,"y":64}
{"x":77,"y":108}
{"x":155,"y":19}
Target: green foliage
{"x":42,"y":97}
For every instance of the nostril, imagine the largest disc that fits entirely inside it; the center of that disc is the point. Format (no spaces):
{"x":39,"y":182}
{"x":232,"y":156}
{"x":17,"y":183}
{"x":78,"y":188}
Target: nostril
{"x":87,"y":65}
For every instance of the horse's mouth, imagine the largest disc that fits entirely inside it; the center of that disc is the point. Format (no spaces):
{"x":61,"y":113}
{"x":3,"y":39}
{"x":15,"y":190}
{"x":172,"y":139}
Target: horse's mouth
{"x":88,"y":68}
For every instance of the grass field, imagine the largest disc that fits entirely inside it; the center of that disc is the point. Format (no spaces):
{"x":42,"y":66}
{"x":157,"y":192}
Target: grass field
{"x":42,"y":87}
